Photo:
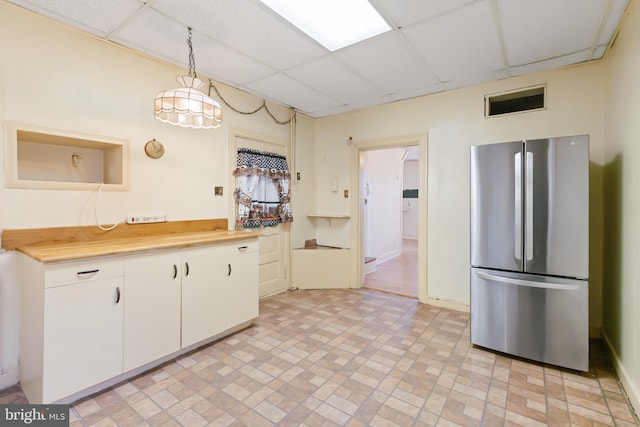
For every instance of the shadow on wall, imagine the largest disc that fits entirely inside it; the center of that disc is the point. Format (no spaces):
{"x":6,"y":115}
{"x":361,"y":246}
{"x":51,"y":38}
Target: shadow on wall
{"x":612,"y":252}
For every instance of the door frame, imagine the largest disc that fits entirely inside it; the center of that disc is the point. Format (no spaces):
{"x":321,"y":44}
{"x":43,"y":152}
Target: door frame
{"x":232,"y":150}
{"x":357,"y":210}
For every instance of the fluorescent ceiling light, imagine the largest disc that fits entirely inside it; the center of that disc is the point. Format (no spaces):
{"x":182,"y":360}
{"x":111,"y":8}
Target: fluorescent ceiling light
{"x":332,"y":23}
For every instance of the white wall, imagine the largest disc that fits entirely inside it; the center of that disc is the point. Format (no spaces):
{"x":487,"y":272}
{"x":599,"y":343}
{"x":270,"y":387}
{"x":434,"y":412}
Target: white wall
{"x":454,"y":121}
{"x":60,"y":78}
{"x":410,"y":181}
{"x":383,"y":170}
{"x":621,"y":288}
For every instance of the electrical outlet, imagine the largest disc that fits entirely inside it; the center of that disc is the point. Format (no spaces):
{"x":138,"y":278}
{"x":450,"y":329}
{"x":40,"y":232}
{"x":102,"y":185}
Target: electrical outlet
{"x":147,"y":219}
{"x":218,"y":191}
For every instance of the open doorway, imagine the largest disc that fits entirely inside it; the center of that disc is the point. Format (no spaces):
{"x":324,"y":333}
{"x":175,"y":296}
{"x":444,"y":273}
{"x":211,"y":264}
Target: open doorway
{"x":390,"y":215}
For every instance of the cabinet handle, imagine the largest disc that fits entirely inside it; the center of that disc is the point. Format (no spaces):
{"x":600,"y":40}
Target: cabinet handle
{"x":242,"y":248}
{"x":85,"y":272}
{"x":186,"y":267}
{"x":117,"y":294}
{"x":175,"y":271}
{"x":229,"y":270}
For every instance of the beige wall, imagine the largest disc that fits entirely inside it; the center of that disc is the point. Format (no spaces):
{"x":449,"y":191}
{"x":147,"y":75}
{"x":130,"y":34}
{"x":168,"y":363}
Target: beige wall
{"x":56,"y":77}
{"x":454,"y":121}
{"x":621,"y":289}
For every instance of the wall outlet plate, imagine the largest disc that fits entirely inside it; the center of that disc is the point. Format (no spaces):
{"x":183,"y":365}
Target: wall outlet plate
{"x":218,"y":191}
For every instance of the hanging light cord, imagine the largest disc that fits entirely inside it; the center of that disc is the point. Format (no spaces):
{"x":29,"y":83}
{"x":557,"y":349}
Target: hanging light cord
{"x":264,"y":105}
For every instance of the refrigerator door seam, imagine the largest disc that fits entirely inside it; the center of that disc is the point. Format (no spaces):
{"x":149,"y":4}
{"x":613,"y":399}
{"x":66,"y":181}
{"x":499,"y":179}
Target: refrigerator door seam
{"x":518,"y":206}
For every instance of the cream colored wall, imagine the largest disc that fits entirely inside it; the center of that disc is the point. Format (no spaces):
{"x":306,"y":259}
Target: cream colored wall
{"x":56,"y":77}
{"x":454,"y":121}
{"x":621,"y":289}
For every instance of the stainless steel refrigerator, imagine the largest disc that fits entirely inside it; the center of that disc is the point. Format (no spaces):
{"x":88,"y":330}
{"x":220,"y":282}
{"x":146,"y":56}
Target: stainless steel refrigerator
{"x":530,"y":249}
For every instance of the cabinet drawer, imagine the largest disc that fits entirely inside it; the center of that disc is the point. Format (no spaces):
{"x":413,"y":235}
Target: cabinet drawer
{"x":58,"y":274}
{"x":241,"y":247}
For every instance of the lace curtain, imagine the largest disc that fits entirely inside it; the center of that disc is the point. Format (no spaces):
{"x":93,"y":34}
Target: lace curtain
{"x":262,"y":191}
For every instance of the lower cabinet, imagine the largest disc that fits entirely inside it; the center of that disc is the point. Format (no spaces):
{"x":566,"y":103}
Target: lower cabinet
{"x":71,"y":326}
{"x":151,"y":307}
{"x":220,"y":290}
{"x":91,"y":321}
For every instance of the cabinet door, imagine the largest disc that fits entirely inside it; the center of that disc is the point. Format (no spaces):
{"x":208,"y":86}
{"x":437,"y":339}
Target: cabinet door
{"x":240,"y":287}
{"x":203,"y":272}
{"x":82,"y":336}
{"x":151,"y":307}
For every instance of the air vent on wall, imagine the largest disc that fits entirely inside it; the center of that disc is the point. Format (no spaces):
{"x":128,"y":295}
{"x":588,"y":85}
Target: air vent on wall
{"x":527,"y":99}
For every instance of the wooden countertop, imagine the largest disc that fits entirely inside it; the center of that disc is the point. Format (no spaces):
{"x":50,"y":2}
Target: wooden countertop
{"x":78,"y":250}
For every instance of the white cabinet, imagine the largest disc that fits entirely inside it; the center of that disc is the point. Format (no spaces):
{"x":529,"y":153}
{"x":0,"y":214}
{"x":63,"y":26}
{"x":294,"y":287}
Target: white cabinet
{"x":220,"y":290}
{"x":200,"y":293}
{"x":151,"y":307}
{"x":238,"y":293}
{"x":91,"y":323}
{"x":71,"y":327}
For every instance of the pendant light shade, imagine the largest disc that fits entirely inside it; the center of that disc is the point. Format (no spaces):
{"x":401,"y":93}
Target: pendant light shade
{"x":186,"y":106}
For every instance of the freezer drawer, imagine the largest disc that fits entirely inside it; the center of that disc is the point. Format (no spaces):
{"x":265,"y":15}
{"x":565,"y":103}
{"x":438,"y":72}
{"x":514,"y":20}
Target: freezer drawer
{"x":536,"y":317}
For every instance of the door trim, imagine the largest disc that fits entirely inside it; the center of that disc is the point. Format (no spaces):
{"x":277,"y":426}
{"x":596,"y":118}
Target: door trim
{"x":357,"y":232}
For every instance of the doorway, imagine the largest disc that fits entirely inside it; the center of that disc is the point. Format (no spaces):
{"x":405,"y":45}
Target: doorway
{"x":358,"y":150}
{"x":274,"y":242}
{"x":390,"y":220}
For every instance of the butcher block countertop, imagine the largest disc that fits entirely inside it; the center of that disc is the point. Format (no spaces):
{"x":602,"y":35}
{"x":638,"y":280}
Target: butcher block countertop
{"x":73,"y":243}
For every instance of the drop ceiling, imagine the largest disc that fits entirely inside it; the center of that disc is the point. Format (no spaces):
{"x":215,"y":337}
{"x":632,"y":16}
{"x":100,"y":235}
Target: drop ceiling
{"x":435,"y":45}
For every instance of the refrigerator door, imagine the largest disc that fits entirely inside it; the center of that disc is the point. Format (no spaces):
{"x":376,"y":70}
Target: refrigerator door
{"x":535,"y":317}
{"x":556,"y":210}
{"x":496,"y":206}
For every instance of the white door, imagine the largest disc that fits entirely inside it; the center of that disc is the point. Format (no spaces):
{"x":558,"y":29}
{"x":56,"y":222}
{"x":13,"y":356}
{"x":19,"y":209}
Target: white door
{"x":273,"y":270}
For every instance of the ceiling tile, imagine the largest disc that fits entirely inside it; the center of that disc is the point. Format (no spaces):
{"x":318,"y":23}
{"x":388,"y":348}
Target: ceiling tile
{"x":335,"y":80}
{"x":390,"y":62}
{"x":536,"y":30}
{"x":291,"y":92}
{"x":460,"y":44}
{"x":406,"y":12}
{"x":249,"y":27}
{"x":95,"y":16}
{"x":612,"y":20}
{"x":551,"y":63}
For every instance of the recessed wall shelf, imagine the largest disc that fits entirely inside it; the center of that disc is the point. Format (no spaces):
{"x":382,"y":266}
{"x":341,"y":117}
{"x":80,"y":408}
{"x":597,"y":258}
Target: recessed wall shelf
{"x":42,"y":158}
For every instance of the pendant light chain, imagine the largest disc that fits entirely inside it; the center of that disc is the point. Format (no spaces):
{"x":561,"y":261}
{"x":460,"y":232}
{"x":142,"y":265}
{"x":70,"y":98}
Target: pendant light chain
{"x":192,"y":58}
{"x":264,"y":105}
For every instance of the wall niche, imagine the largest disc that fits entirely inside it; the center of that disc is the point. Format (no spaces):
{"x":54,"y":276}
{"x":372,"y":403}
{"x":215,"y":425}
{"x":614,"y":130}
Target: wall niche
{"x":42,"y":158}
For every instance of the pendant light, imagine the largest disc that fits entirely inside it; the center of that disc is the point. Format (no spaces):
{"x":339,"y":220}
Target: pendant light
{"x":186,"y":106}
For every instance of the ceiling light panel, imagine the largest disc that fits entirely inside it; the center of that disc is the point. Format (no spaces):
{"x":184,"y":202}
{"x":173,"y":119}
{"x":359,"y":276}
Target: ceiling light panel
{"x":332,"y":23}
{"x":460,"y":44}
{"x":95,"y":16}
{"x":247,"y":27}
{"x":536,"y":30}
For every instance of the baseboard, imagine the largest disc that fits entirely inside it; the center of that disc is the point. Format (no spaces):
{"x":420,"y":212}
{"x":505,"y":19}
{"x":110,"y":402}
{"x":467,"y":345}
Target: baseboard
{"x":9,"y":379}
{"x":631,"y":389}
{"x":450,"y":304}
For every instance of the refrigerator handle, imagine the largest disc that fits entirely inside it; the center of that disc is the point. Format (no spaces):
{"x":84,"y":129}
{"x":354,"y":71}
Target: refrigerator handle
{"x":528,"y":217}
{"x":527,"y":283}
{"x":517,"y":244}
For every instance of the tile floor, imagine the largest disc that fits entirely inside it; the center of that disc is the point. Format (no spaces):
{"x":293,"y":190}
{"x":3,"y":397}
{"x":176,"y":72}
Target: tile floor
{"x":356,"y":358}
{"x":398,"y":275}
